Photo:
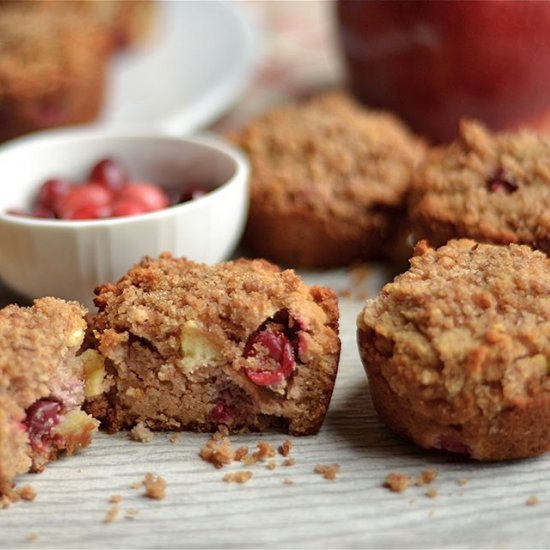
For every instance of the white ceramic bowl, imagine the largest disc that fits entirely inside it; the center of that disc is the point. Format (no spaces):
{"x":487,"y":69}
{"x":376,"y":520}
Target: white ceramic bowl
{"x":68,"y":259}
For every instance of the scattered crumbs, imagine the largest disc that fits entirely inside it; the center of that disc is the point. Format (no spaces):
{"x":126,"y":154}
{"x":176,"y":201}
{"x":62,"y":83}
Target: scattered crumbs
{"x":242,"y":476}
{"x":26,"y":492}
{"x":131,"y":513}
{"x":112,"y":513}
{"x":271,"y":465}
{"x":115,"y":499}
{"x":290,"y":461}
{"x":426,"y":477}
{"x":217,"y":451}
{"x":397,"y":482}
{"x":285,"y":447}
{"x":32,"y":537}
{"x":288,"y":481}
{"x":137,"y":485}
{"x":431,"y":492}
{"x":265,"y":450}
{"x":174,"y":438}
{"x":5,"y":501}
{"x":533,"y":500}
{"x":249,"y":459}
{"x":140,"y":432}
{"x":462,"y":481}
{"x":328,"y":471}
{"x":359,"y":275}
{"x":155,"y":486}
{"x":222,"y":431}
{"x":240,"y":453}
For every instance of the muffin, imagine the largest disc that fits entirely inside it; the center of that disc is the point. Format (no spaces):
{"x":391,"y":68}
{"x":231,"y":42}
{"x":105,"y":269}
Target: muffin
{"x":52,"y":70}
{"x":187,"y":346}
{"x":42,"y":385}
{"x":457,"y":350}
{"x":491,"y":187}
{"x":329,"y":180}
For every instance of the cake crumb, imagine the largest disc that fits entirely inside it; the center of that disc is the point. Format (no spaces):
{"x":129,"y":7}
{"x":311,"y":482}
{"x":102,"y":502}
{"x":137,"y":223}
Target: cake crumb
{"x":285,"y":448}
{"x":242,"y":476}
{"x":431,"y":492}
{"x":271,"y":465}
{"x":328,"y":471}
{"x":32,"y":537}
{"x":174,"y":438}
{"x":288,"y":481}
{"x":426,"y":477}
{"x":533,"y":500}
{"x":240,"y":453}
{"x":155,"y":486}
{"x":462,"y":481}
{"x":26,"y":492}
{"x":141,"y":433}
{"x":137,"y":485}
{"x":131,"y":513}
{"x":290,"y":461}
{"x":217,"y":451}
{"x":397,"y":482}
{"x":265,"y":450}
{"x":115,"y":499}
{"x":112,"y":513}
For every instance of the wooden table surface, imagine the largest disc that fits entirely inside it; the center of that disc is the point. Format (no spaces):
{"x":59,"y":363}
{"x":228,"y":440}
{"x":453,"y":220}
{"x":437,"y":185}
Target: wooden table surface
{"x":472,"y":505}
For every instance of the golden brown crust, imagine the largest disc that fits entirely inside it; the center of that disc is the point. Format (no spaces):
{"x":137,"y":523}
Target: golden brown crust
{"x":328,"y":181}
{"x":174,"y":334}
{"x":485,"y":186}
{"x":457,"y":350}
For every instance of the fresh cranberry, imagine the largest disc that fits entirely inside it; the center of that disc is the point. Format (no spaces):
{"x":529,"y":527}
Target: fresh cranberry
{"x":451,"y":443}
{"x":52,"y":192}
{"x":110,"y":174}
{"x":221,"y":413}
{"x":90,"y":194}
{"x":41,"y":417}
{"x":91,"y":212}
{"x":128,"y":207}
{"x":270,"y":344}
{"x":40,"y":211}
{"x":498,"y":183}
{"x":151,"y":196}
{"x":192,"y":192}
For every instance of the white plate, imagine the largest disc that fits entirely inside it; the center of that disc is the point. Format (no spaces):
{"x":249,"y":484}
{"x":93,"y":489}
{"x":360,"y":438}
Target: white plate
{"x":195,"y":65}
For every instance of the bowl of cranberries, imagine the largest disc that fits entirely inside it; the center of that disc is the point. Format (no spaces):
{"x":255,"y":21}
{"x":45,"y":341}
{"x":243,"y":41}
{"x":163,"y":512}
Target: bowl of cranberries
{"x":79,"y":207}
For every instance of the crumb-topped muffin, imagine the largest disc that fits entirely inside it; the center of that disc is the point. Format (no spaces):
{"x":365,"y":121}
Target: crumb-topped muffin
{"x":491,"y":187}
{"x":328,"y":182}
{"x":52,"y":69}
{"x":42,"y":385}
{"x":191,"y":346}
{"x":457,"y":350}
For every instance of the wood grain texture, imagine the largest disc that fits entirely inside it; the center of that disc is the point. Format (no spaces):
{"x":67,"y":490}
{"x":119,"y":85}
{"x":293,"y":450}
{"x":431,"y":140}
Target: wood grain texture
{"x":353,"y":511}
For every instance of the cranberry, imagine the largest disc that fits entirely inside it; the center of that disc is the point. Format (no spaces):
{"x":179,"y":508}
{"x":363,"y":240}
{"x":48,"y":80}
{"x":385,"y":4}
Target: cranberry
{"x":451,"y":443}
{"x":270,"y":344}
{"x":110,"y":174}
{"x":40,"y":211}
{"x":128,"y":207}
{"x":151,"y":196}
{"x":221,"y":413}
{"x":91,"y":212}
{"x":52,"y":192}
{"x":41,"y":417}
{"x":90,"y":194}
{"x":498,"y":183}
{"x":192,"y":192}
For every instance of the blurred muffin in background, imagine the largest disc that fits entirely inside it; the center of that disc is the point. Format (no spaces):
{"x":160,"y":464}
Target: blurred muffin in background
{"x":54,"y":58}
